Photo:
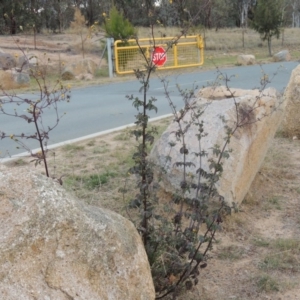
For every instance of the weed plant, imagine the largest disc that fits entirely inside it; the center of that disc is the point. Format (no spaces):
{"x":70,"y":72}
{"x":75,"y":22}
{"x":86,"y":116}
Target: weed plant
{"x":178,"y":235}
{"x":32,"y":110}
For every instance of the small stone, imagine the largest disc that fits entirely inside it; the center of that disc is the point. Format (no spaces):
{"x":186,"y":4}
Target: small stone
{"x":244,"y":60}
{"x":7,"y":61}
{"x":283,"y":55}
{"x":84,"y":69}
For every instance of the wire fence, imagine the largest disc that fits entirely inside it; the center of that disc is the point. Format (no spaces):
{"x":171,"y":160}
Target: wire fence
{"x":132,"y":54}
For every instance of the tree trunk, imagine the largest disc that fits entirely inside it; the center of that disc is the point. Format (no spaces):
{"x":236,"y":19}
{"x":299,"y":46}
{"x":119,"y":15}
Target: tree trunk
{"x":12,"y":25}
{"x":270,"y":45}
{"x":82,"y":43}
{"x":34,"y":36}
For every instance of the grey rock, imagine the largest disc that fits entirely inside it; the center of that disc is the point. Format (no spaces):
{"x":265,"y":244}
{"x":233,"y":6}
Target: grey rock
{"x":7,"y":61}
{"x":283,"y":55}
{"x":21,"y":78}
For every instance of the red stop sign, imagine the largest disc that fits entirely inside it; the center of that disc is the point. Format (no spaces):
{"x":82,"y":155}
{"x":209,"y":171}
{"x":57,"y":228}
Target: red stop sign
{"x":159,"y":56}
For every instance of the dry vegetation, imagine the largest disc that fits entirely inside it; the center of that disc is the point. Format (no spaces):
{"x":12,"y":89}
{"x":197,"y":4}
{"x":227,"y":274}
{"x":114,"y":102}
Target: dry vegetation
{"x":257,"y":254}
{"x":222,"y":48}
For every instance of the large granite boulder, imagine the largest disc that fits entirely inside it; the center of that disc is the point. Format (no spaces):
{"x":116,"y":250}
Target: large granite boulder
{"x":291,"y":121}
{"x":259,"y":112}
{"x":246,"y":59}
{"x":222,"y":92}
{"x":53,"y":246}
{"x":7,"y":61}
{"x":283,"y":55}
{"x":85,"y":66}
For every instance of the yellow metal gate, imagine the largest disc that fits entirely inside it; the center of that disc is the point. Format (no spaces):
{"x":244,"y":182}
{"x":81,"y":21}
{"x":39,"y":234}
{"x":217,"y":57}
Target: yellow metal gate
{"x":130,"y":55}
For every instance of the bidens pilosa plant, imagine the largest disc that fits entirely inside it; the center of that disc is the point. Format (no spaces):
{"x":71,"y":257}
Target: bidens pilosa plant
{"x":179,"y":234}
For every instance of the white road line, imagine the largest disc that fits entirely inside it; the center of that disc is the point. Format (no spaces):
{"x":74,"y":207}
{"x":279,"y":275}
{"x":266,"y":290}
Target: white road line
{"x":86,"y":137}
{"x":182,"y":84}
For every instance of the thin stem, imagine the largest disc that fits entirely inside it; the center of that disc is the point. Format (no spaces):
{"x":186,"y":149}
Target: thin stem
{"x":35,"y":118}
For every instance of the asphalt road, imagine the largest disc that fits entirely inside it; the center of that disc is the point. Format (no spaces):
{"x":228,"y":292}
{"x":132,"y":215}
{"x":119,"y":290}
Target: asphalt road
{"x":99,"y":108}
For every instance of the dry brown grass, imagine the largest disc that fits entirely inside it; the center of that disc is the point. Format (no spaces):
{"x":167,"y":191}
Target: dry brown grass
{"x":87,"y":164}
{"x":222,"y":48}
{"x":7,"y":82}
{"x":257,"y":253}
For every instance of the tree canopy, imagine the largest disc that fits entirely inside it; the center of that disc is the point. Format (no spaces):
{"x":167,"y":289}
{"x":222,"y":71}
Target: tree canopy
{"x":57,"y":15}
{"x":267,"y":20}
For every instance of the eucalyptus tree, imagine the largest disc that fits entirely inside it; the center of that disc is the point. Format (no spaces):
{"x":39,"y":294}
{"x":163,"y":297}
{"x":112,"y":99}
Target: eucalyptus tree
{"x":20,"y":15}
{"x":93,"y":9}
{"x":140,"y":13}
{"x":244,"y":7}
{"x":267,"y":20}
{"x":57,"y":14}
{"x":295,"y":12}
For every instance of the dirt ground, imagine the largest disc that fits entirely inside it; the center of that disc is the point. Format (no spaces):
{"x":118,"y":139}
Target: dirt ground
{"x":257,"y":254}
{"x":56,"y":51}
{"x":254,"y":258}
{"x":66,"y":47}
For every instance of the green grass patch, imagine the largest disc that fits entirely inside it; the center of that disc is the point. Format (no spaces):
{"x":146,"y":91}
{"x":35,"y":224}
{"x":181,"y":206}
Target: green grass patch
{"x":72,"y":148}
{"x":19,"y":162}
{"x":284,"y":255}
{"x":220,"y":61}
{"x":231,"y":253}
{"x":91,"y":181}
{"x":287,"y":244}
{"x":124,"y":160}
{"x":275,"y":202}
{"x":295,"y":53}
{"x":101,"y":150}
{"x":103,"y":72}
{"x":91,"y":143}
{"x":123,"y":136}
{"x":280,"y":262}
{"x":271,"y":203}
{"x":260,"y":242}
{"x":266,"y":283}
